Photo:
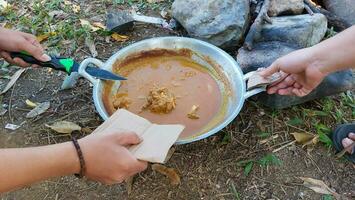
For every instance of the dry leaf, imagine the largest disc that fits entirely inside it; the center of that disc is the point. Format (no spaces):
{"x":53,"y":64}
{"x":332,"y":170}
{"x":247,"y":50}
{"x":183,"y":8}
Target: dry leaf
{"x":318,"y":186}
{"x":64,"y":127}
{"x":86,"y":23}
{"x":13,"y":80}
{"x":7,"y":25}
{"x":12,"y":126}
{"x":91,"y":45}
{"x":66,"y":2}
{"x":45,"y":36}
{"x":30,"y":103}
{"x":99,"y":25}
{"x":119,"y":38}
{"x":169,"y":172}
{"x":86,"y":130}
{"x":39,"y":109}
{"x":76,"y":8}
{"x":303,"y":137}
{"x":58,"y":14}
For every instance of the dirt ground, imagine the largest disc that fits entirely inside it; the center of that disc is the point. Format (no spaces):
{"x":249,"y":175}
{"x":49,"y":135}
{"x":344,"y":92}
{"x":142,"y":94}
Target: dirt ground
{"x":209,"y":169}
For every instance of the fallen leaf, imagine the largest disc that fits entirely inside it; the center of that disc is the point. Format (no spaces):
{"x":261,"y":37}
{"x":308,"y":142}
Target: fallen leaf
{"x":30,"y":103}
{"x":64,"y":127}
{"x":86,"y":130}
{"x":45,"y":36}
{"x":66,"y":2}
{"x":12,"y":126}
{"x":119,"y":38}
{"x":86,"y":23}
{"x":91,"y":45}
{"x":303,"y":138}
{"x":318,"y":186}
{"x":76,"y":8}
{"x":39,"y":109}
{"x":169,"y":172}
{"x":7,"y":25}
{"x":13,"y":79}
{"x":99,"y":25}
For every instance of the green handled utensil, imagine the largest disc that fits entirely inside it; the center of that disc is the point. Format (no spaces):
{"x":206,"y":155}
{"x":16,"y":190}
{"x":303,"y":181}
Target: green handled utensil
{"x":67,"y":65}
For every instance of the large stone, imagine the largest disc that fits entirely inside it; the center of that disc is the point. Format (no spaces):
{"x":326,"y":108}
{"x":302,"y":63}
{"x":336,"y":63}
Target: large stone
{"x":220,"y":22}
{"x":345,"y":9}
{"x":262,"y":55}
{"x":333,"y":84}
{"x":300,"y":30}
{"x":282,"y":7}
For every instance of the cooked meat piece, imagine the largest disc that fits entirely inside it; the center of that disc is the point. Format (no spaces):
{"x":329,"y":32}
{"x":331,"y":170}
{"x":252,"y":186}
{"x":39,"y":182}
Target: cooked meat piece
{"x":160,"y":100}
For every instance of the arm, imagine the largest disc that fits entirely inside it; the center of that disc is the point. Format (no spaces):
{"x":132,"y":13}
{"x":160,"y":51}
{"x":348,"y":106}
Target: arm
{"x":106,"y":156}
{"x":20,"y":167}
{"x":304,"y":69}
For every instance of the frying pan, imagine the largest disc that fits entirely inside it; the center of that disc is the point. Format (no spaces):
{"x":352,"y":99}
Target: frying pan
{"x":234,"y":77}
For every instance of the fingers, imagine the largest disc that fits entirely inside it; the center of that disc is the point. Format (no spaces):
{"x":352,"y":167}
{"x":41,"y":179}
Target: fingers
{"x":352,"y":136}
{"x":287,"y":82}
{"x":33,"y":47}
{"x":127,"y":139}
{"x":273,"y":68}
{"x":15,"y":61}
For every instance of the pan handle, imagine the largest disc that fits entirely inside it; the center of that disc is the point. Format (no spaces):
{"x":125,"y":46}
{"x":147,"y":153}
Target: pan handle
{"x":254,"y":91}
{"x":85,"y":64}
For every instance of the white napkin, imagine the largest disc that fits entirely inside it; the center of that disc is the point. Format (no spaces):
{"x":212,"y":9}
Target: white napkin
{"x":157,"y":139}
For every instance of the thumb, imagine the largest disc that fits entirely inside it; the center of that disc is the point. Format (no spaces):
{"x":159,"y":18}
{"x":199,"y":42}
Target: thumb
{"x":35,"y":49}
{"x":273,"y":68}
{"x":129,"y":138}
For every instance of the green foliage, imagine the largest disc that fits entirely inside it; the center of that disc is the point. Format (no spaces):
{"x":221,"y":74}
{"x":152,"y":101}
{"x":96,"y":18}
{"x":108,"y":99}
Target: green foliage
{"x":269,"y":159}
{"x":327,"y":197}
{"x":226,"y":138}
{"x":247,"y":165}
{"x":263,"y":134}
{"x":234,"y":192}
{"x":295,"y":121}
{"x":325,"y":140}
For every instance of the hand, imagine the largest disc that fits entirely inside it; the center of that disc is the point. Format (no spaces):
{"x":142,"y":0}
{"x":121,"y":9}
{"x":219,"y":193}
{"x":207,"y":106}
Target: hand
{"x":301,"y":74}
{"x":107,"y":158}
{"x":16,"y":41}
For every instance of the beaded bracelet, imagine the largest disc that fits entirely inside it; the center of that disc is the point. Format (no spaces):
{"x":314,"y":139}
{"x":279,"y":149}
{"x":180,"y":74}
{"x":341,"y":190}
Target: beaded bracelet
{"x":81,"y":158}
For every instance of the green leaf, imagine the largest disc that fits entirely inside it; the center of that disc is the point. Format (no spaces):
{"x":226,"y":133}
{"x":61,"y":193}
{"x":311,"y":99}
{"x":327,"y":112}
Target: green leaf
{"x":321,"y":113}
{"x":234,"y":192}
{"x":226,"y":139}
{"x":327,"y":197}
{"x":269,"y":159}
{"x":295,"y":121}
{"x":248,"y":168}
{"x":263,"y":134}
{"x":244,"y":162}
{"x":326,"y":140}
{"x":322,"y":129}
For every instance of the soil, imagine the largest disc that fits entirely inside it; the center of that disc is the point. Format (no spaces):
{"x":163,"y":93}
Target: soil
{"x":208,"y":168}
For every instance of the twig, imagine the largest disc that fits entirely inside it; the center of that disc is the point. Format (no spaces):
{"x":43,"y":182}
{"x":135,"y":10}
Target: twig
{"x":308,"y":9}
{"x":284,"y":146}
{"x":257,"y":25}
{"x":272,"y":183}
{"x":10,"y":103}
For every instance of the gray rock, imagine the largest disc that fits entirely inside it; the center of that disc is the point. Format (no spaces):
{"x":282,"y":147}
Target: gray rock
{"x":281,"y":7}
{"x":345,"y":9}
{"x":262,"y":55}
{"x":333,"y":84}
{"x":220,"y":22}
{"x":300,"y":30}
